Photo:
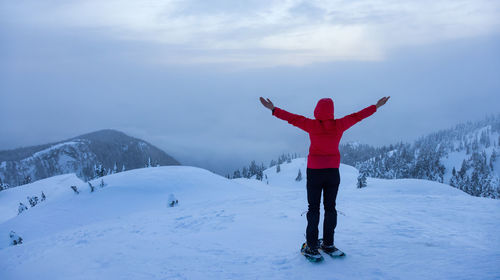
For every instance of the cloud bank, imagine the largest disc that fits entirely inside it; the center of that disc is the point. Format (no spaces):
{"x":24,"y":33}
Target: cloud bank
{"x":266,"y":33}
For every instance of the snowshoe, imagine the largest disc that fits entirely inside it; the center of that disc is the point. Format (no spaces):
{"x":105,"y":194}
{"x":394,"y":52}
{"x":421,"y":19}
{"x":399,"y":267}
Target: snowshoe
{"x":330,"y":250}
{"x":312,"y":255}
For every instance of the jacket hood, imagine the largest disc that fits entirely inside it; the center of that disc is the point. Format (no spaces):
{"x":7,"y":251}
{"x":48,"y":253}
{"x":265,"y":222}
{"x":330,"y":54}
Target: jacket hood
{"x":324,"y":109}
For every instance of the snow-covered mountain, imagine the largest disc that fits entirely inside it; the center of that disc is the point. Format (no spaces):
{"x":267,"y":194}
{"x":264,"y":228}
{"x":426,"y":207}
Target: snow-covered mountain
{"x":105,"y":151}
{"x":243,"y":228}
{"x":465,"y":157}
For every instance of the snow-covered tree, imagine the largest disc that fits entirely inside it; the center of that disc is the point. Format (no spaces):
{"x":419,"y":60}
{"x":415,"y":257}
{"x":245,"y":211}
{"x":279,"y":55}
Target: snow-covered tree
{"x":245,"y":172}
{"x":259,"y":175}
{"x":3,"y":186}
{"x":454,"y":179}
{"x":27,"y":180}
{"x":43,"y":197}
{"x":75,"y":189}
{"x":299,"y":176}
{"x":278,"y":168}
{"x":14,"y":238}
{"x":172,"y":200}
{"x":21,"y":208}
{"x":92,"y":188}
{"x":99,"y":171}
{"x":33,"y":200}
{"x":253,"y":168}
{"x":493,"y":158}
{"x":361,"y":180}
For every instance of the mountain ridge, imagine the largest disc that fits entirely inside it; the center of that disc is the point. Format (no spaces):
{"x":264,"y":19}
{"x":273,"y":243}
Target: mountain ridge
{"x":107,"y":150}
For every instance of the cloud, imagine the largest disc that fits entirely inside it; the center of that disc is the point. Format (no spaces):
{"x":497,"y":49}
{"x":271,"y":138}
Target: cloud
{"x":268,"y":33}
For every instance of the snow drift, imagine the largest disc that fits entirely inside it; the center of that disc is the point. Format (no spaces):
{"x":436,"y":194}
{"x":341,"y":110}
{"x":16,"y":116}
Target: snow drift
{"x":243,"y":228}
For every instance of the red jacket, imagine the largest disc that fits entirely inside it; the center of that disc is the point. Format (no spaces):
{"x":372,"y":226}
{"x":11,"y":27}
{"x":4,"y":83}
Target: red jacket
{"x":324,"y":131}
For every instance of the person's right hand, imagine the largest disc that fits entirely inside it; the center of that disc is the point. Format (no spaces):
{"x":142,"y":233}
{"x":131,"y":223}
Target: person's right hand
{"x":267,"y":103}
{"x":382,"y":101}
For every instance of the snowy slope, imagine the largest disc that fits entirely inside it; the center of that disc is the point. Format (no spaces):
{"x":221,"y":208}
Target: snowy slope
{"x":54,"y":188}
{"x":246,"y":229}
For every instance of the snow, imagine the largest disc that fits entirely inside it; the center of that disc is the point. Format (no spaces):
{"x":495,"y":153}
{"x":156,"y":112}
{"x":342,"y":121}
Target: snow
{"x":454,"y":159}
{"x":54,"y":188}
{"x":244,"y":228}
{"x":54,"y":147}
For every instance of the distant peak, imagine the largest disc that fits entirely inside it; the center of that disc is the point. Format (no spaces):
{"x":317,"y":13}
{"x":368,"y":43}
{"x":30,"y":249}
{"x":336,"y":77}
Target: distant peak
{"x":107,"y":132}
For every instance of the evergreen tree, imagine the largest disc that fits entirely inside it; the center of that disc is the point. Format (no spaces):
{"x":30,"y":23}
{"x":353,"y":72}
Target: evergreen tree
{"x":123,"y":167}
{"x":32,"y":200}
{"x":493,"y":158}
{"x":454,"y":179}
{"x":259,"y":176}
{"x":75,"y":189}
{"x":361,"y":180}
{"x":253,"y":169}
{"x":474,"y":184}
{"x":99,"y":171}
{"x":245,"y":173}
{"x":463,"y":170}
{"x":115,"y":169}
{"x":15,"y":239}
{"x":299,"y":177}
{"x":278,"y":168}
{"x":485,"y":139}
{"x":21,"y":208}
{"x":236,"y":174}
{"x":43,"y":196}
{"x":27,"y":180}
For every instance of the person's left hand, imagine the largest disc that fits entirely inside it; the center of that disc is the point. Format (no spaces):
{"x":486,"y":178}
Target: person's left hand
{"x":382,"y":101}
{"x":267,"y":103}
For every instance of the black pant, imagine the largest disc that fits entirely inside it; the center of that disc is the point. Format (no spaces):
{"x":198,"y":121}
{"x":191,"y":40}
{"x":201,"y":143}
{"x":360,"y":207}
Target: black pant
{"x":326,"y":180}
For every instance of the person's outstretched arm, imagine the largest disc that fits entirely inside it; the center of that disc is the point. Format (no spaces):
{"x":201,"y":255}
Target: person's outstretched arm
{"x":293,"y":119}
{"x":350,"y":120}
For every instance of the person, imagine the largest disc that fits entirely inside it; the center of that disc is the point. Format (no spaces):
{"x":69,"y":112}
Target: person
{"x":323,"y":163}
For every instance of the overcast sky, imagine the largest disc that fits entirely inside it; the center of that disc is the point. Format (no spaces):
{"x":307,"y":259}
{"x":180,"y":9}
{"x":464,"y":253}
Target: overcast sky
{"x":186,"y":75}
